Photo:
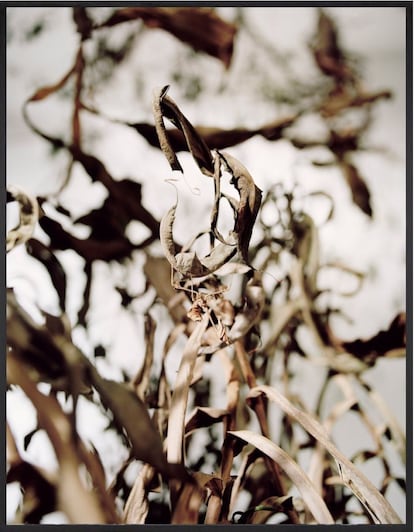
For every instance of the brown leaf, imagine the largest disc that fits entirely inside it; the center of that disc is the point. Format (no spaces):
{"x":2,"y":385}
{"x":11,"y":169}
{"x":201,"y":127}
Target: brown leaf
{"x":359,"y":190}
{"x":39,"y":493}
{"x":188,"y":263}
{"x":204,"y":417}
{"x":84,"y":24}
{"x":327,"y":51}
{"x":381,"y":343}
{"x":249,"y":204}
{"x":165,"y":107}
{"x":200,"y":27}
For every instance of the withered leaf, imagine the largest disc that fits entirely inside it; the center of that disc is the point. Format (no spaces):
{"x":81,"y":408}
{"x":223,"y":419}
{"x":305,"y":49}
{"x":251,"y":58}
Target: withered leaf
{"x":39,"y":497}
{"x":89,"y":249}
{"x":204,"y":417}
{"x":200,"y":27}
{"x":249,"y":204}
{"x":327,"y":51}
{"x":84,"y":24}
{"x":381,"y":343}
{"x":164,"y":106}
{"x":359,"y":190}
{"x":43,"y":254}
{"x":188,"y":263}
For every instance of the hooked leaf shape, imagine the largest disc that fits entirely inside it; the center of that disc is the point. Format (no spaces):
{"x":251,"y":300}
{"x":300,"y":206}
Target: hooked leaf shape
{"x":188,"y":263}
{"x":164,"y":106}
{"x":249,"y":204}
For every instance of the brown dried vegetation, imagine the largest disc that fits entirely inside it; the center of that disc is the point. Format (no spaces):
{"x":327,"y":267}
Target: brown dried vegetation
{"x":157,"y":420}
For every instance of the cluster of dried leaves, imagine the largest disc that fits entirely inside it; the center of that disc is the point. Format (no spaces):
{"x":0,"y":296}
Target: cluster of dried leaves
{"x":251,"y":331}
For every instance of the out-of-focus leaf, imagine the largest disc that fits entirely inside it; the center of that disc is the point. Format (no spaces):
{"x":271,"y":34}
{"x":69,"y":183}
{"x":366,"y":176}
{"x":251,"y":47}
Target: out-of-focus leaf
{"x":84,"y":24}
{"x":33,"y":342}
{"x":359,"y":190}
{"x":378,"y":507}
{"x":137,"y":505}
{"x":142,"y":379}
{"x":187,"y":509}
{"x":164,"y":106}
{"x":313,"y":500}
{"x":28,"y":217}
{"x":43,"y":254}
{"x":214,"y":137}
{"x":327,"y":51}
{"x":131,"y":417}
{"x":381,"y":343}
{"x":200,"y":27}
{"x":79,"y":504}
{"x":89,"y":249}
{"x":249,"y":204}
{"x":39,"y":498}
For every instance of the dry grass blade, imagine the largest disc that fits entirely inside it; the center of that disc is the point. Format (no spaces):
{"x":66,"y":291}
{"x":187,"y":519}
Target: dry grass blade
{"x":175,"y":435}
{"x":311,"y":497}
{"x":378,"y":507}
{"x":137,"y":506}
{"x":28,"y":217}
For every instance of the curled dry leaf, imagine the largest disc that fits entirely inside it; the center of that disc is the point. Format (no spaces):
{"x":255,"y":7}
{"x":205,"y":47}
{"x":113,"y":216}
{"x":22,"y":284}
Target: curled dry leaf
{"x":378,"y":507}
{"x":165,"y":107}
{"x":28,"y":217}
{"x":188,"y":263}
{"x":249,"y":204}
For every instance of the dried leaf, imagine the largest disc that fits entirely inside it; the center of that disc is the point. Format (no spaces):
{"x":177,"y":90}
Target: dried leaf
{"x":313,"y":500}
{"x":381,"y":343}
{"x":137,"y":504}
{"x":359,"y":190}
{"x":84,"y":24}
{"x":378,"y":507}
{"x":327,"y":52}
{"x":249,"y":204}
{"x":188,"y":263}
{"x":164,"y":106}
{"x":28,"y":217}
{"x":200,"y":27}
{"x":39,"y":493}
{"x":204,"y":417}
{"x":80,"y":505}
{"x":176,"y":427}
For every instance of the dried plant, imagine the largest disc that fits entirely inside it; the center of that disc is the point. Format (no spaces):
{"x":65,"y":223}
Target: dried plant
{"x":241,"y":303}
